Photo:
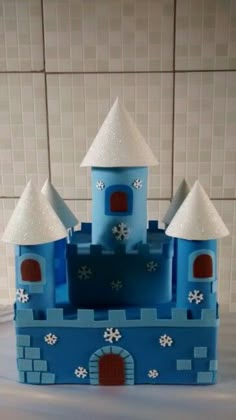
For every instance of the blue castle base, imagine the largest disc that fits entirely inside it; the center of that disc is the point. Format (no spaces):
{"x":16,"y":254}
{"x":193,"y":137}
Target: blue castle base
{"x":152,"y":350}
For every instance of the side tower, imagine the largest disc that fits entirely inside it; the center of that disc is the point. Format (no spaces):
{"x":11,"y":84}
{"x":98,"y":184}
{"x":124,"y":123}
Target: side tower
{"x":69,"y":221}
{"x":119,"y":158}
{"x":196,"y":226}
{"x":33,"y":228}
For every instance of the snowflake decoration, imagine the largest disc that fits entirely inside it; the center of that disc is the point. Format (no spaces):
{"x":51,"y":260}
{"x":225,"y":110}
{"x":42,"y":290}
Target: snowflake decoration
{"x":195,"y":297}
{"x":137,"y":183}
{"x":81,"y":372}
{"x":165,"y":340}
{"x":112,"y":334}
{"x":50,"y":339}
{"x":116,"y":285}
{"x":121,"y":231}
{"x":22,"y":296}
{"x":151,"y":266}
{"x":84,"y":272}
{"x":153,"y":373}
{"x":100,"y":185}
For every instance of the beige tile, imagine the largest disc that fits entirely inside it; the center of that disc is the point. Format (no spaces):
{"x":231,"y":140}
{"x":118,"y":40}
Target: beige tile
{"x":21,"y":40}
{"x":227,"y":255}
{"x":7,"y":272}
{"x":78,"y":104}
{"x":108,"y":35}
{"x":205,"y":127}
{"x":205,"y":35}
{"x":23,"y":146}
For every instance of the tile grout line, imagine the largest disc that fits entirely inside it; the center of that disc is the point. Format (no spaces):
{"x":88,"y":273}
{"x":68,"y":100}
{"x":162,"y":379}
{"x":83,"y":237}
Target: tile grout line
{"x":55,"y":73}
{"x":173,"y":102}
{"x":46,"y":93}
{"x":4,"y":197}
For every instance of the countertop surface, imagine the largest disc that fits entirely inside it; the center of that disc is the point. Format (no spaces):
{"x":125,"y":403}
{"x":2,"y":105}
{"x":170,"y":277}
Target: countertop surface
{"x":28,"y":402}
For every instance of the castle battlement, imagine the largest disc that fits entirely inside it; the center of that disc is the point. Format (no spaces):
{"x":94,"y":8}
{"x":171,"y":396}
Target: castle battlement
{"x":86,"y":318}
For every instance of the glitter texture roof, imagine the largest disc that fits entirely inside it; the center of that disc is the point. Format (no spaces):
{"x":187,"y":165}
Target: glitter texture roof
{"x":119,"y":143}
{"x":197,"y":218}
{"x":176,"y":201}
{"x":59,"y":206}
{"x":33,"y":221}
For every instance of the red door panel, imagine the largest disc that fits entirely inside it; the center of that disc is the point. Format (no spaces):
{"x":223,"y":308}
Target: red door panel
{"x":111,"y":370}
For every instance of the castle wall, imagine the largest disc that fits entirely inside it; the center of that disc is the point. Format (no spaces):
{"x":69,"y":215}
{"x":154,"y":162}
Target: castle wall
{"x":189,"y":358}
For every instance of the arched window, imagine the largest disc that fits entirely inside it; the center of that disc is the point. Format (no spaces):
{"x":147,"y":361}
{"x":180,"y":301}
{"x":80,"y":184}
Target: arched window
{"x":203,"y":266}
{"x":119,"y":202}
{"x":31,"y":271}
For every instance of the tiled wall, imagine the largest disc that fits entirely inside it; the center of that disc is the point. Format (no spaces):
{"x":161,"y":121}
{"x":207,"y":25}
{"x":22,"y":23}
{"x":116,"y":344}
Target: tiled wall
{"x":173,"y":63}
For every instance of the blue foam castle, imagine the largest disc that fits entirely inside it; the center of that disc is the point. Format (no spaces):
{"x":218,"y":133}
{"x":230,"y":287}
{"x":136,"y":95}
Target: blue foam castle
{"x":120,"y":301}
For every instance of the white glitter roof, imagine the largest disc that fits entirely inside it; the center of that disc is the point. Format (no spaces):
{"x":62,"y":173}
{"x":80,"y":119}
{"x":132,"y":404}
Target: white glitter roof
{"x":33,"y":221}
{"x":176,"y":201}
{"x":119,"y":143}
{"x":197,"y":218}
{"x":59,"y":206}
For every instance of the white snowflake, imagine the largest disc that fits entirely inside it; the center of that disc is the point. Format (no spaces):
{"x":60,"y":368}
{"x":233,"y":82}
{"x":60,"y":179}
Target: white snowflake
{"x":22,"y":296}
{"x":137,"y":183}
{"x":153,"y":373}
{"x":50,"y":339}
{"x":112,"y":334}
{"x":121,"y":231}
{"x":84,"y":272}
{"x":116,"y":285}
{"x":195,"y":297}
{"x":165,"y":340}
{"x":100,"y":185}
{"x":81,"y":372}
{"x":151,"y":266}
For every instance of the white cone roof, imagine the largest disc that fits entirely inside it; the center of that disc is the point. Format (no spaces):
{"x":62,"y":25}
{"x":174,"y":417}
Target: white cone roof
{"x":59,"y":206}
{"x":176,"y":201}
{"x":33,"y":221}
{"x":197,"y":218}
{"x":119,"y":143}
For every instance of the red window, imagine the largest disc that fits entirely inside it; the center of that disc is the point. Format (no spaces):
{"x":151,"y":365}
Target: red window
{"x":203,"y":266}
{"x":111,"y":370}
{"x":119,"y":202}
{"x":30,"y":271}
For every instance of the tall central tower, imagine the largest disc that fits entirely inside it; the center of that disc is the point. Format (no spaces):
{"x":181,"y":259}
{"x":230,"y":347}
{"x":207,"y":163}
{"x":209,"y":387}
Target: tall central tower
{"x":119,"y":157}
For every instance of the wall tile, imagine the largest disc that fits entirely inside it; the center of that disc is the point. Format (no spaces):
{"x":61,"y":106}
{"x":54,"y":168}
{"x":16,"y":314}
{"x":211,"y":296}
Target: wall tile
{"x":78,"y":104}
{"x":7,"y":272}
{"x":23,"y":146}
{"x":108,"y":35}
{"x":205,"y":34}
{"x":227,"y":255}
{"x":205,"y":127}
{"x":21,"y":40}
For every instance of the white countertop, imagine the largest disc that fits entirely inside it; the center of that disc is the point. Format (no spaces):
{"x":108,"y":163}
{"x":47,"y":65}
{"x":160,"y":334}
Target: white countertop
{"x":33,"y":402}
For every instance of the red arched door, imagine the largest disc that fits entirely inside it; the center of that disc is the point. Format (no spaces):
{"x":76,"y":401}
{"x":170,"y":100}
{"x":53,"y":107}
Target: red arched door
{"x":111,"y":370}
{"x":202,"y":266}
{"x":119,"y":202}
{"x":30,"y":270}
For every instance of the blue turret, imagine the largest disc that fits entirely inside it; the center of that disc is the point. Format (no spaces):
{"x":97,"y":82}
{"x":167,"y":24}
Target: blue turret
{"x":196,"y":225}
{"x":119,"y":158}
{"x":69,"y":221}
{"x":34,"y":227}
